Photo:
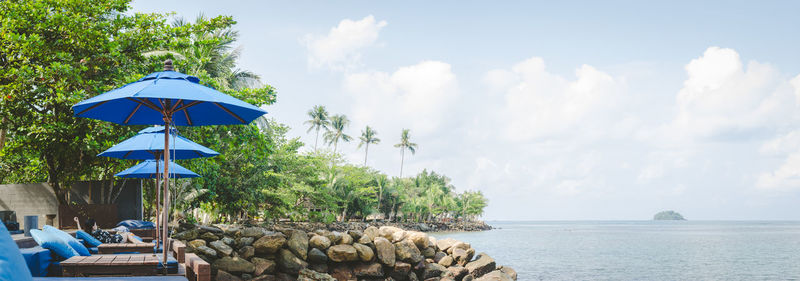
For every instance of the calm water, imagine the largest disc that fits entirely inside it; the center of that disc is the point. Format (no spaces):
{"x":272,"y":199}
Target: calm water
{"x":643,"y":250}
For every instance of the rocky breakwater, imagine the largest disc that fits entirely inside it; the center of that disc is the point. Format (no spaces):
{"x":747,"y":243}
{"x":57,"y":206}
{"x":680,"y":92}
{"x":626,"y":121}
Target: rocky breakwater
{"x":385,"y":253}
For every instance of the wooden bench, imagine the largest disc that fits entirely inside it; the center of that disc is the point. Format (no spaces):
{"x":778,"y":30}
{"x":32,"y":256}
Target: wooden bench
{"x":113,"y":248}
{"x":179,"y":249}
{"x":197,"y":269}
{"x":130,"y":265}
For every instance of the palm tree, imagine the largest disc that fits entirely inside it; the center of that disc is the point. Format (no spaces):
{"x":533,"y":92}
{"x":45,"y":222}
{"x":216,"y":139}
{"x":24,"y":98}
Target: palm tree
{"x":319,"y":120}
{"x":336,"y":133}
{"x":368,"y":137}
{"x":404,"y":144}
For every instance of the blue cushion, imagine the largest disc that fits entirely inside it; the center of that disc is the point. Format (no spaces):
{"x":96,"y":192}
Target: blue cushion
{"x":52,"y":243}
{"x":66,"y":238}
{"x":137,"y":224}
{"x":38,"y":259}
{"x":88,"y":238}
{"x":12,"y":264}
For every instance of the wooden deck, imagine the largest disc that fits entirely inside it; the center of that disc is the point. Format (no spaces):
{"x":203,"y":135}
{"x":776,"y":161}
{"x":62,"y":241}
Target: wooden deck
{"x":129,"y":265}
{"x":113,"y":248}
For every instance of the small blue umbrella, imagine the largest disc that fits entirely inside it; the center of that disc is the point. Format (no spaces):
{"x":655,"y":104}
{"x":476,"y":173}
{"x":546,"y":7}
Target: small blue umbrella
{"x":149,"y":144}
{"x":147,"y":170}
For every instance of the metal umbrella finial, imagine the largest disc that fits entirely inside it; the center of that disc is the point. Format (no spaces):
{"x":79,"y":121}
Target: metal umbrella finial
{"x":168,"y":65}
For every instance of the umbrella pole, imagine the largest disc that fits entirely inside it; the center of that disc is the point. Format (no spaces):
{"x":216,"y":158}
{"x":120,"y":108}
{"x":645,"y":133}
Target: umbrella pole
{"x":165,"y":237}
{"x":158,"y":206}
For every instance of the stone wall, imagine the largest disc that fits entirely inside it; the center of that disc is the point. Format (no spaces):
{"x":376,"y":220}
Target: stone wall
{"x":386,"y":253}
{"x":34,"y":199}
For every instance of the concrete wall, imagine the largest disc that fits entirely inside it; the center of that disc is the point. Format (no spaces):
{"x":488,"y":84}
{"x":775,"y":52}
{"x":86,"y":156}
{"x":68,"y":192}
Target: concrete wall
{"x":29,"y":199}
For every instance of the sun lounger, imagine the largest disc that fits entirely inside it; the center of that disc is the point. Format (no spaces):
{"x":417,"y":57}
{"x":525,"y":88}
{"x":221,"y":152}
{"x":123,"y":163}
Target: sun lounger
{"x":113,"y":248}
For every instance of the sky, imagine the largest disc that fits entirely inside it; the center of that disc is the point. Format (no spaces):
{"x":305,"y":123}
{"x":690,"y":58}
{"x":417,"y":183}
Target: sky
{"x":555,"y":110}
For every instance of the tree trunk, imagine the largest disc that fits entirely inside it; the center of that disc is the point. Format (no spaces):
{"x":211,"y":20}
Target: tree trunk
{"x":316,"y":140}
{"x":402,"y":157}
{"x":366,"y":152}
{"x":3,"y":133}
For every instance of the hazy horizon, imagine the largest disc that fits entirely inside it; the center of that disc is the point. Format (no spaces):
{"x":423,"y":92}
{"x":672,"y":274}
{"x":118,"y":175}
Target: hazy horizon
{"x":555,"y":111}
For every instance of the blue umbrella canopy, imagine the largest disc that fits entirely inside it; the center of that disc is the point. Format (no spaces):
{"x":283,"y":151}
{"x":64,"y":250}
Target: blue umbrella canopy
{"x":147,"y":170}
{"x":167,"y":94}
{"x":149,"y":144}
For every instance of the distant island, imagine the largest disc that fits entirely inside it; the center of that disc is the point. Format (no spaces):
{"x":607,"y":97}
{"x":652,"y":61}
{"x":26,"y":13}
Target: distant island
{"x":668,"y":216}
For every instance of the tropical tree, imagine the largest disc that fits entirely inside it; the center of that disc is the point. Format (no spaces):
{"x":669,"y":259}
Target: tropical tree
{"x":368,"y":136}
{"x":319,"y":120}
{"x":405,"y":143}
{"x":336,"y":134}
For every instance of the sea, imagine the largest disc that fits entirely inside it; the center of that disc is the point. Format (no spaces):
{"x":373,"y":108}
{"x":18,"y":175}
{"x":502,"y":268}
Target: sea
{"x":642,"y":250}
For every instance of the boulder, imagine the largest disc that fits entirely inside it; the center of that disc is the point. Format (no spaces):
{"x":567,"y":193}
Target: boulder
{"x":319,"y":267}
{"x":482,"y":265}
{"x":263,"y":266}
{"x":388,"y":231}
{"x":406,"y":251}
{"x":412,"y":276}
{"x":496,"y":275}
{"x":365,"y":240}
{"x":444,"y":244}
{"x":342,"y":253}
{"x":365,"y":253}
{"x":371,"y":232}
{"x":281,"y":276}
{"x":211,"y":229}
{"x":368,"y":270}
{"x":255,"y":232}
{"x":269,"y":243}
{"x":187,"y":235}
{"x":265,"y":277}
{"x":334,"y":236}
{"x":460,"y":257}
{"x":468,"y":278}
{"x":399,"y":236}
{"x":245,"y":241}
{"x":194,"y":244}
{"x":319,"y":242}
{"x":356,"y":234}
{"x":509,"y":271}
{"x":470,"y":254}
{"x":228,"y":241}
{"x":458,"y":272}
{"x":231,"y":230}
{"x":432,"y":241}
{"x":247,"y":252}
{"x":438,"y":256}
{"x":346,"y":239}
{"x":289,"y":263}
{"x":342,"y":272}
{"x":446,"y":261}
{"x":206,"y":251}
{"x":385,"y":251}
{"x":224,"y":276}
{"x":298,"y":243}
{"x":317,"y":256}
{"x":400,"y":270}
{"x":221,"y":248}
{"x":230,"y":264}
{"x":208,"y":236}
{"x":310,"y":275}
{"x":432,"y":270}
{"x":420,"y":239}
{"x":429,"y":252}
{"x":458,"y":245}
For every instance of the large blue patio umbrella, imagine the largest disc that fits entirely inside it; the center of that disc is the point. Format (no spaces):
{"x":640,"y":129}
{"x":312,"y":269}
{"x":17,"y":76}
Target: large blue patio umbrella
{"x":149,"y":144}
{"x":148,"y":169}
{"x":167,"y":98}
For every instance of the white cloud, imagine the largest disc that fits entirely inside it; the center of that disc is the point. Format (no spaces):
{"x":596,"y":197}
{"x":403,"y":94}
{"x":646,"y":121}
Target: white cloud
{"x":786,"y":177}
{"x":340,"y":48}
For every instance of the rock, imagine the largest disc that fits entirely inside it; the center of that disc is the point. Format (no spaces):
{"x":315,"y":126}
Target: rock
{"x":187,"y":235}
{"x":265,"y":278}
{"x":406,"y":251}
{"x":231,"y":230}
{"x":342,"y":272}
{"x":211,"y":229}
{"x":371,"y":232}
{"x":244,"y":241}
{"x":230,"y":264}
{"x":412,"y":276}
{"x":310,"y":275}
{"x":433,"y":270}
{"x":364,"y":252}
{"x":432,"y":241}
{"x":208,"y":236}
{"x":438,"y":256}
{"x":335,"y":237}
{"x":255,"y":232}
{"x":317,"y":256}
{"x":460,"y":256}
{"x":342,"y":253}
{"x":356,"y":234}
{"x":509,"y":271}
{"x":269,"y":243}
{"x":247,"y":276}
{"x":482,"y":265}
{"x":298,"y":243}
{"x":385,"y":251}
{"x":445,"y":244}
{"x":319,"y":242}
{"x":470,"y":254}
{"x":290,"y":263}
{"x":446,"y":261}
{"x":423,"y":227}
{"x":496,"y":275}
{"x":206,"y":251}
{"x":420,"y":239}
{"x":400,"y":271}
{"x":429,"y":252}
{"x":228,"y":241}
{"x":263,"y":266}
{"x":221,"y":248}
{"x":319,"y":267}
{"x":399,"y":236}
{"x":365,"y":240}
{"x":194,"y":244}
{"x":284,"y":277}
{"x":346,"y":239}
{"x":368,"y":270}
{"x":468,"y":278}
{"x":458,"y":245}
{"x":224,"y":276}
{"x":388,"y":231}
{"x":247,"y":252}
{"x":458,"y":272}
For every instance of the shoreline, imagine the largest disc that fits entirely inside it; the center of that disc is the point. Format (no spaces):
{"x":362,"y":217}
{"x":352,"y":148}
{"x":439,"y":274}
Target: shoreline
{"x":468,"y":226}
